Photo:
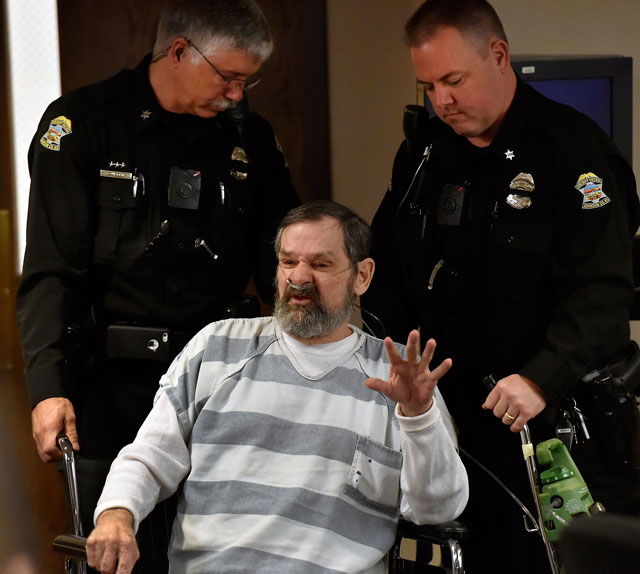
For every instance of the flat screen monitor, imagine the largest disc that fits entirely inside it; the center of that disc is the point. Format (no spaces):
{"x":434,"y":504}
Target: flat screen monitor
{"x":598,"y":86}
{"x":591,"y":96}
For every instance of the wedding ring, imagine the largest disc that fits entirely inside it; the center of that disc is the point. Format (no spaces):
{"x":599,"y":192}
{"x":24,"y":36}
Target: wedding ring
{"x":509,"y":417}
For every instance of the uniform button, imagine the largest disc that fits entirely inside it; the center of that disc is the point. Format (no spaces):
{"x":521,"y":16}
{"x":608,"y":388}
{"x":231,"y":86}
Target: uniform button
{"x":116,"y":199}
{"x":174,"y":288}
{"x":510,"y":239}
{"x":180,"y":246}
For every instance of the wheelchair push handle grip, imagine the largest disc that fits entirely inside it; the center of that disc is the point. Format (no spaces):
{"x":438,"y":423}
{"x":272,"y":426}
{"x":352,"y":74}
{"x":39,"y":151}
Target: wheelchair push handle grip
{"x":71,"y":545}
{"x":489,"y":382}
{"x":69,"y":471}
{"x":64,"y":444}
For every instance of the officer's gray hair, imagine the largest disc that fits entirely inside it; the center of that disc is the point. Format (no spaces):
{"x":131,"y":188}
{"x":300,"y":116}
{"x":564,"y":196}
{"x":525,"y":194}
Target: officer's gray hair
{"x":476,"y":20}
{"x":355,"y":231}
{"x":214,"y":25}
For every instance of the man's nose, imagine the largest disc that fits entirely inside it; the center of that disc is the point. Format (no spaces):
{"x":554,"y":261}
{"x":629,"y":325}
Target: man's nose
{"x":441,"y":97}
{"x":300,"y":275}
{"x":234,"y":92}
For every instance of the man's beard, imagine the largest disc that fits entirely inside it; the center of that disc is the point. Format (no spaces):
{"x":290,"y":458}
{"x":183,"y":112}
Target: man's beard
{"x":312,"y":319}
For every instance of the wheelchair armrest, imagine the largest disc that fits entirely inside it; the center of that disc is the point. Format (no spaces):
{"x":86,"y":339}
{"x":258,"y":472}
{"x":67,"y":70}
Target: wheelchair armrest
{"x":71,"y":545}
{"x":436,"y":533}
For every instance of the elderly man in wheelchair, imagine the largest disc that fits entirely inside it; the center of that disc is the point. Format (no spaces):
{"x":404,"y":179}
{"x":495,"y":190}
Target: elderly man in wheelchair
{"x":295,"y":441}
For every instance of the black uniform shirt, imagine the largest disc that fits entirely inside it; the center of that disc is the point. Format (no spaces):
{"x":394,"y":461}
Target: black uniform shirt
{"x":104,"y":238}
{"x":535,"y":278}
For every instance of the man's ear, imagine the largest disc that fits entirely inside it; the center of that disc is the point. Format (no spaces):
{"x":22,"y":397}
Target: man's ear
{"x":177,"y":49}
{"x":499,"y":52}
{"x":364,"y":275}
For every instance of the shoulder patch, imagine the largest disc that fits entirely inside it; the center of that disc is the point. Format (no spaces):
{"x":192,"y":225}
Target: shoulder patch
{"x":591,"y":188}
{"x":58,"y":128}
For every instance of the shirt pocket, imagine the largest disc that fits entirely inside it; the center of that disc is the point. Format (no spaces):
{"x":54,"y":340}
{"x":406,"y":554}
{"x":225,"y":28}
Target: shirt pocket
{"x":121,"y":220}
{"x":517,"y":263}
{"x":374,"y":477}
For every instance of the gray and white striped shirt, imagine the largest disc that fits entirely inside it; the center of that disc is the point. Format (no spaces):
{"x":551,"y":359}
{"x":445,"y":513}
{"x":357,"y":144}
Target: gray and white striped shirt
{"x":284,"y":469}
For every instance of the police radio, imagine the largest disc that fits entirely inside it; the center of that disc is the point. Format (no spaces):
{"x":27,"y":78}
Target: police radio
{"x":415,"y":128}
{"x":415,"y":125}
{"x":237,"y":114}
{"x":454,"y":201}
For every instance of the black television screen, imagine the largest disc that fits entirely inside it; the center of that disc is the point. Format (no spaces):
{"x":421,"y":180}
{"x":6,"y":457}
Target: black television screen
{"x":598,"y":86}
{"x":591,"y":96}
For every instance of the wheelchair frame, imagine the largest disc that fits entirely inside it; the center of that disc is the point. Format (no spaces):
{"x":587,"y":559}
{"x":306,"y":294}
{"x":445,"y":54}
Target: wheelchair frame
{"x":74,"y":546}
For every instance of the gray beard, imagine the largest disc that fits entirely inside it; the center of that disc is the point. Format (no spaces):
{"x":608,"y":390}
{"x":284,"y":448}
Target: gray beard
{"x":314,"y":319}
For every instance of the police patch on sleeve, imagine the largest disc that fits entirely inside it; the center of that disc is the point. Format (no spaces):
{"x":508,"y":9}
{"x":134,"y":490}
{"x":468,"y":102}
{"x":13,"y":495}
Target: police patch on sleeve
{"x":58,"y":128}
{"x":590,"y":186}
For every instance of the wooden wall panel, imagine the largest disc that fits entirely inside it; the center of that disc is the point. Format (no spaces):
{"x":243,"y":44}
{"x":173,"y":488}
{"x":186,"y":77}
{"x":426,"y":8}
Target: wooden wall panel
{"x":32,"y":503}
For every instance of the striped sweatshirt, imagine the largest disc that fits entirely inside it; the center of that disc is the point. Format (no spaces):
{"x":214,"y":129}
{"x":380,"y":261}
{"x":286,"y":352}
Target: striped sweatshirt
{"x":281,"y":471}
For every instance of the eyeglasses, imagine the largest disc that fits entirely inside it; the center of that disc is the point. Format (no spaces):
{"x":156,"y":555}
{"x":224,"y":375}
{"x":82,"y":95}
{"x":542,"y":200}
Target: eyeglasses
{"x":245,"y":84}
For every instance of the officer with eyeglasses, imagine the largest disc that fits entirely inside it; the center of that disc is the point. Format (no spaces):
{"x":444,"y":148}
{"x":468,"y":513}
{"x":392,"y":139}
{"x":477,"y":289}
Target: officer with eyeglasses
{"x":154,"y":198}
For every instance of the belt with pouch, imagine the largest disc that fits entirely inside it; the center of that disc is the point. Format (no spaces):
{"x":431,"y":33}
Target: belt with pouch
{"x":622,"y":377}
{"x":127,"y":341}
{"x":140,"y":342}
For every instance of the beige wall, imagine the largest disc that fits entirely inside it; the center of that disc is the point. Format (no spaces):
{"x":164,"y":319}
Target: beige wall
{"x":370,"y":81}
{"x":370,"y":75}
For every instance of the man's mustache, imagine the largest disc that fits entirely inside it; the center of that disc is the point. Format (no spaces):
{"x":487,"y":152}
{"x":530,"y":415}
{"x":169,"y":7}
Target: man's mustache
{"x":310,"y":292}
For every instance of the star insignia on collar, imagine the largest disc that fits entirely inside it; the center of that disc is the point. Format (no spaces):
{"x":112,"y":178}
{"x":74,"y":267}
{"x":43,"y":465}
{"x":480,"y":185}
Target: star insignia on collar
{"x":145,"y":115}
{"x":509,"y":154}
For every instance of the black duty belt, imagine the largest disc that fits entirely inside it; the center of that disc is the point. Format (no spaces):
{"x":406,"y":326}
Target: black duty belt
{"x":136,"y":342}
{"x":128,"y":341}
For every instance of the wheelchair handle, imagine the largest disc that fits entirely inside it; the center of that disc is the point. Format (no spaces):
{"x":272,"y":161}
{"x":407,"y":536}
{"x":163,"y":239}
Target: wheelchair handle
{"x":69,"y":469}
{"x":532,"y":474}
{"x":71,"y":545}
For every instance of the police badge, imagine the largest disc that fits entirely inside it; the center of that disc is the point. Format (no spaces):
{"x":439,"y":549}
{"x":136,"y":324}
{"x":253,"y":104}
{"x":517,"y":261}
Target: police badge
{"x":590,"y":186}
{"x":523,"y":184}
{"x":239,"y":156}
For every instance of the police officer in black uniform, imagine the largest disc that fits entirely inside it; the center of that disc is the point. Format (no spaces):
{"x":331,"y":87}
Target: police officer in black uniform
{"x":506,"y":235}
{"x":154,"y":199}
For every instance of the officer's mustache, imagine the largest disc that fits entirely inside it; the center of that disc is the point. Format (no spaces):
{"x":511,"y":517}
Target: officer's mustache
{"x":224,"y":104}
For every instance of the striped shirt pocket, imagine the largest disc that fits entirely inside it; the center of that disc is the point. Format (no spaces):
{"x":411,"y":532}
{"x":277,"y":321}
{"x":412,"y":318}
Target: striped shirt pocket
{"x":374,"y":477}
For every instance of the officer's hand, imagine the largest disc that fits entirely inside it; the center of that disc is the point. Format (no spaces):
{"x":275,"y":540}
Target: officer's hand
{"x":49,"y":418}
{"x":111,"y":546}
{"x":516,"y":400}
{"x":411,"y":383}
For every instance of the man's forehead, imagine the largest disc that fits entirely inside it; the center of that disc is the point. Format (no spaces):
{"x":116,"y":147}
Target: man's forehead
{"x":319,"y":238}
{"x":234,"y":62}
{"x":313,"y":255}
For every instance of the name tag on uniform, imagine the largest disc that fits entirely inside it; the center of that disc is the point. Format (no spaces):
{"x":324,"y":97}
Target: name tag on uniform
{"x":116,"y":174}
{"x":136,"y":177}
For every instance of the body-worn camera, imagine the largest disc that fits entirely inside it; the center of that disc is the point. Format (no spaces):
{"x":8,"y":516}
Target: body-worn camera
{"x":453,"y":204}
{"x":184,"y":188}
